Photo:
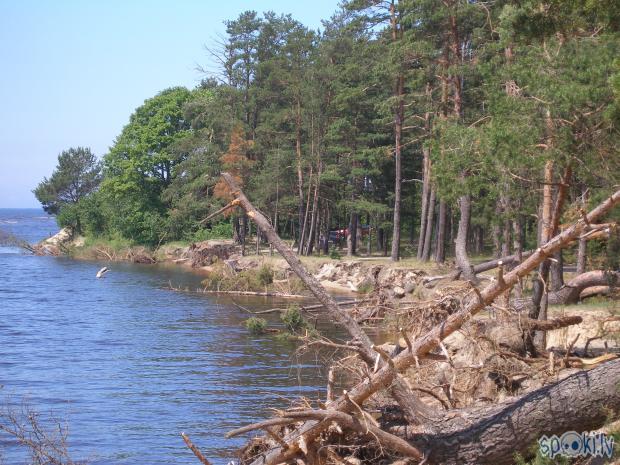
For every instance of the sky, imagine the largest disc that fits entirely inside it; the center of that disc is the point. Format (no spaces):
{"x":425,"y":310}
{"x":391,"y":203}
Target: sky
{"x":71,"y":72}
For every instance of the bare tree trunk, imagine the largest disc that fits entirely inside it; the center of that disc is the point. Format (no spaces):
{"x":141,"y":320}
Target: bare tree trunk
{"x":462,"y":260}
{"x":582,"y":253}
{"x":302,"y":234}
{"x":539,"y":304}
{"x":257,"y":241}
{"x":569,"y":294}
{"x":493,"y":435}
{"x":557,"y":271}
{"x":352,"y":235}
{"x":369,"y":244}
{"x":300,"y":176}
{"x":497,"y":245}
{"x":440,"y":255}
{"x":506,"y":238}
{"x":399,"y":110}
{"x":428,"y":235}
{"x":244,"y":230}
{"x":425,"y":193}
{"x":395,"y":255}
{"x":313,"y":220}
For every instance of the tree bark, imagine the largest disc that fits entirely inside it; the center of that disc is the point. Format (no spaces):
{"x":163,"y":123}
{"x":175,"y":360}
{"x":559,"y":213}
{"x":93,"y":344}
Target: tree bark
{"x":493,"y":435}
{"x":539,"y":307}
{"x":462,"y":260}
{"x":569,"y":294}
{"x":440,"y":255}
{"x":428,"y":235}
{"x":425,"y":192}
{"x":395,"y":255}
{"x":300,"y":176}
{"x":313,"y":219}
{"x":557,"y":271}
{"x":399,"y":111}
{"x":582,"y":253}
{"x":352,"y":235}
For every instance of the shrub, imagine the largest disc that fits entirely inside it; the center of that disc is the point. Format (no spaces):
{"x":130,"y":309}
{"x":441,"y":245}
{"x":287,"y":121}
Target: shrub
{"x":265,"y":275}
{"x":293,"y":319}
{"x":334,"y":254}
{"x":256,"y":325}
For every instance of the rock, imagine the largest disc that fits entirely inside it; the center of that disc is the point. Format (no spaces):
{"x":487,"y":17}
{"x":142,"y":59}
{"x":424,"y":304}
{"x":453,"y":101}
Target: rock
{"x":56,"y":244}
{"x":399,"y":292}
{"x":410,"y":287}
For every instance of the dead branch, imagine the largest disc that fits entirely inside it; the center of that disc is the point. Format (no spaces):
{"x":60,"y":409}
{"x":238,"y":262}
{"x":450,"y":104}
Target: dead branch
{"x":195,"y":449}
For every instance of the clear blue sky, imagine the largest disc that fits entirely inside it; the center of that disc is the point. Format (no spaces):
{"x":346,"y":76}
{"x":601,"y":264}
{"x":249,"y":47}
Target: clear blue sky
{"x":73,"y":71}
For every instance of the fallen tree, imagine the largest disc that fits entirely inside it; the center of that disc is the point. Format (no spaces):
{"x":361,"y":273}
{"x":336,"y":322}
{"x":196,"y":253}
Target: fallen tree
{"x":426,"y":430}
{"x":581,"y":402}
{"x":569,"y":294}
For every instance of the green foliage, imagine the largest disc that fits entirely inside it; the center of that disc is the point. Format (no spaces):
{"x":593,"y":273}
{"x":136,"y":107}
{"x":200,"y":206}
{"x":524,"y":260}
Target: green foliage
{"x":77,"y":174}
{"x":256,"y":325}
{"x":265,"y":275}
{"x":293,"y":319}
{"x":222,"y":230}
{"x":334,"y":254}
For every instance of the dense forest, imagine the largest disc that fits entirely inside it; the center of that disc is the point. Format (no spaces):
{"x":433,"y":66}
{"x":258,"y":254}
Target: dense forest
{"x":443,"y":128}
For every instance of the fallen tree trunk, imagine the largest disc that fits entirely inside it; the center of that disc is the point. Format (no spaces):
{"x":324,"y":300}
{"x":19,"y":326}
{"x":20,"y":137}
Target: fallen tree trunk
{"x":580,"y":402}
{"x":569,"y":294}
{"x":595,"y":231}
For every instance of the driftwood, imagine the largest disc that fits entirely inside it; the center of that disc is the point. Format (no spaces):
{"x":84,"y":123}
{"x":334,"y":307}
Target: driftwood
{"x":259,"y":294}
{"x":430,"y":437}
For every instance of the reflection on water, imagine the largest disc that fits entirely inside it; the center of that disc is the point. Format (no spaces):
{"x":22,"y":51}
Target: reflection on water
{"x":129,"y":365}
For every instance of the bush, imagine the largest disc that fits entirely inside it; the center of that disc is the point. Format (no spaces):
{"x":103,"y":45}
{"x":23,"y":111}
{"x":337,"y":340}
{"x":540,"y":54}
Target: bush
{"x":221,"y":230}
{"x":265,"y":275}
{"x":334,"y":254}
{"x":293,"y":319}
{"x":256,"y":325}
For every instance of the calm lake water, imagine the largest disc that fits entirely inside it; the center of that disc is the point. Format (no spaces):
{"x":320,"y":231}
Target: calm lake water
{"x":127,"y":364}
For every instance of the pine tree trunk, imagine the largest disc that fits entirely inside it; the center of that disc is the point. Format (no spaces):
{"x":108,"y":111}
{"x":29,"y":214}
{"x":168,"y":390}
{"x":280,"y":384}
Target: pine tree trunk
{"x":440,"y":255}
{"x":583,"y":244}
{"x":398,"y":123}
{"x":581,"y":256}
{"x":399,"y":89}
{"x":300,"y":175}
{"x":352,"y":235}
{"x":462,"y":260}
{"x":244,"y":230}
{"x":428,"y":235}
{"x":557,"y":271}
{"x":506,"y":239}
{"x":539,"y":311}
{"x":493,"y":435}
{"x":425,"y":193}
{"x":313,"y":219}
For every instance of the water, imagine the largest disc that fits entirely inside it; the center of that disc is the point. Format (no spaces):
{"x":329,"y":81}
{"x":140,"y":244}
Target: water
{"x":127,"y":364}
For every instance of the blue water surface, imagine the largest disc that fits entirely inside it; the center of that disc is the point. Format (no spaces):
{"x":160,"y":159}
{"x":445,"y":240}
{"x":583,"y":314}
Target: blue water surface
{"x":128,"y":364}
